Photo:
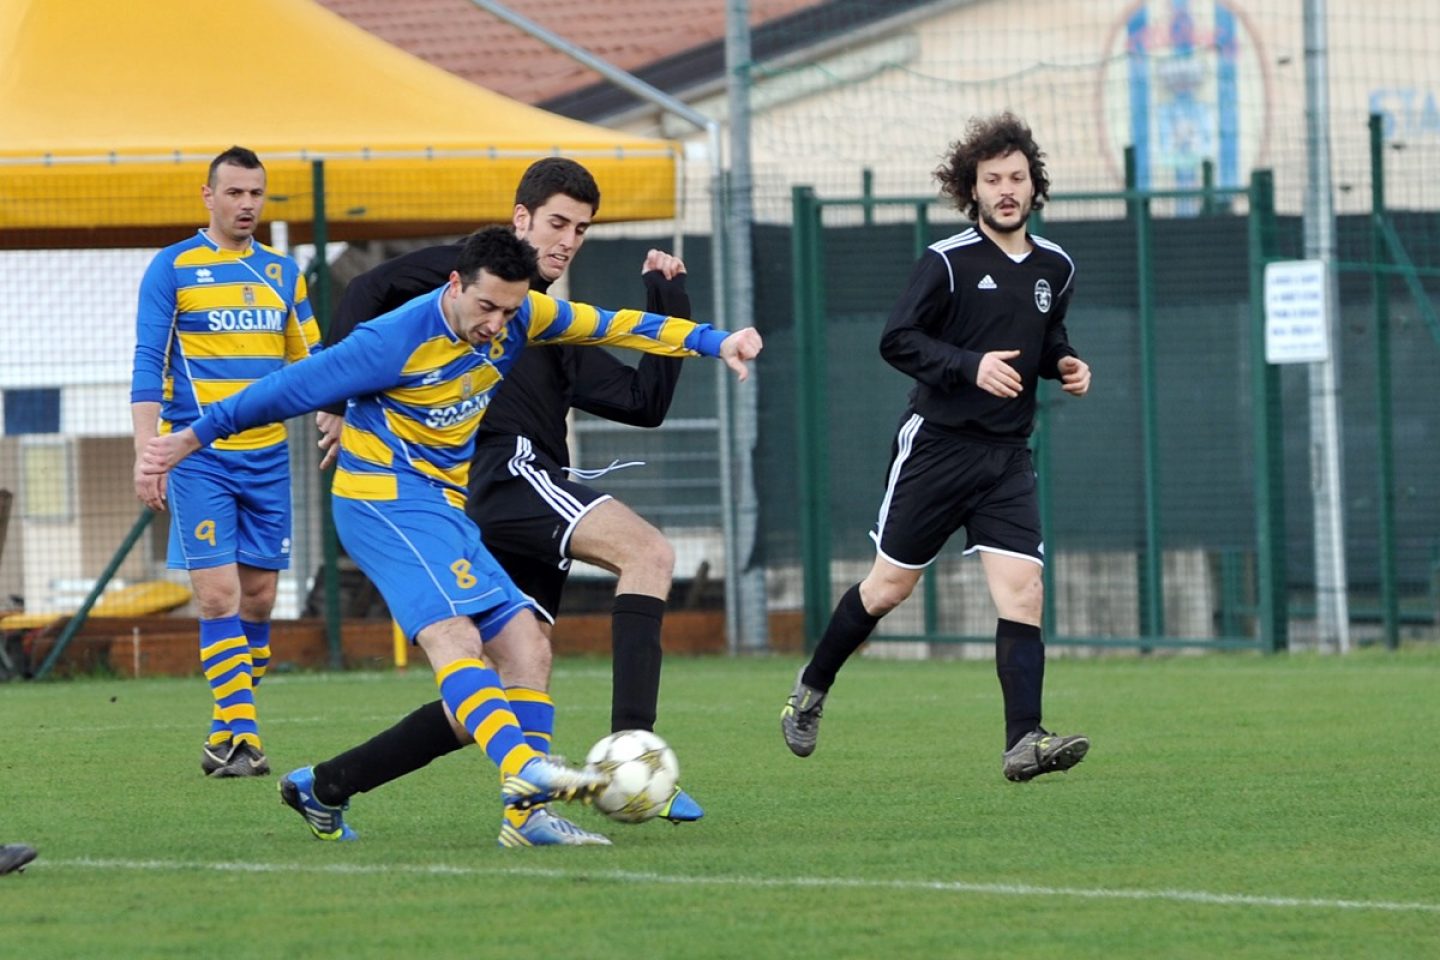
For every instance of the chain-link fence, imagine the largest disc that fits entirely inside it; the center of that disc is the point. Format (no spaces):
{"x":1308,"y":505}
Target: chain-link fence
{"x":1154,"y":479}
{"x":67,"y":324}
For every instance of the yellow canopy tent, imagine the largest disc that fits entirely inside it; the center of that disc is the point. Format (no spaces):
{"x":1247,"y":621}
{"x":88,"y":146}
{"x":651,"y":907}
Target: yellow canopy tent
{"x":110,"y":111}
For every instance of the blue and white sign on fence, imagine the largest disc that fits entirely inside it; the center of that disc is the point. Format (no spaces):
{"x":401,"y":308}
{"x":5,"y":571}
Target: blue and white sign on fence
{"x":1297,"y":321}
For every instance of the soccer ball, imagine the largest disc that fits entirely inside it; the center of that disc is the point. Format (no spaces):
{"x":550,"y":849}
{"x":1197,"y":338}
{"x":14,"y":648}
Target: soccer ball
{"x":642,"y":770}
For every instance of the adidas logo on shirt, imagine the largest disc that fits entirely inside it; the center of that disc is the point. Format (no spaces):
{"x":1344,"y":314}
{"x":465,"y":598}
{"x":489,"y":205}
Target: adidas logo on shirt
{"x":986,"y":283}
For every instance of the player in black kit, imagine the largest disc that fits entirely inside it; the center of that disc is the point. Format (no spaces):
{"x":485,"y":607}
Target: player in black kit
{"x":533,"y":517}
{"x":983,"y":317}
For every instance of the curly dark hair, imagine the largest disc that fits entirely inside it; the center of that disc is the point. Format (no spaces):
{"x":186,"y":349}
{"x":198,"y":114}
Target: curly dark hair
{"x":985,"y":139}
{"x":498,"y":251}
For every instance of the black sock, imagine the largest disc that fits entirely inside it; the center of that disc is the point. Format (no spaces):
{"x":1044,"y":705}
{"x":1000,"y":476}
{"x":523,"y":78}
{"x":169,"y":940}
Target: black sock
{"x":850,"y":625}
{"x":1020,"y":664}
{"x":404,"y":748}
{"x":635,"y":649}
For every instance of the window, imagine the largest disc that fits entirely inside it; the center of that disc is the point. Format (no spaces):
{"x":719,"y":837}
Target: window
{"x":32,"y":411}
{"x":46,"y":478}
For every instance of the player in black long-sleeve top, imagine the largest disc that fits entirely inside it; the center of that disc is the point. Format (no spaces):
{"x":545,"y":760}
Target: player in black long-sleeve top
{"x":532,"y":517}
{"x":981,"y":320}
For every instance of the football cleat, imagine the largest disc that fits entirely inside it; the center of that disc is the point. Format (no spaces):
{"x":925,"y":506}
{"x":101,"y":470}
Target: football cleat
{"x":800,"y":720}
{"x":681,"y":808}
{"x":545,"y":829}
{"x":214,"y":756}
{"x":297,"y":791}
{"x":1041,"y":751}
{"x":245,"y":760}
{"x":15,"y":856}
{"x":548,"y":778}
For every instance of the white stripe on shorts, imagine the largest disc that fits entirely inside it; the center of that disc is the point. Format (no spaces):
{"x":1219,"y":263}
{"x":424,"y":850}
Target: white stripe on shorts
{"x":904,"y":441}
{"x":569,"y":509}
{"x":522,"y":466}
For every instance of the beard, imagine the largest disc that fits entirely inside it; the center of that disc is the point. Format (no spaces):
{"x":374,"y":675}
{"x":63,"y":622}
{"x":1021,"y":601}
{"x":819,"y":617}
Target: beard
{"x":987,"y":214}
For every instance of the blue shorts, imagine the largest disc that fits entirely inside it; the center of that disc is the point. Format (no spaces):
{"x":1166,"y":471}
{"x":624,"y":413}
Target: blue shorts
{"x":230,"y":506}
{"x":426,"y":559}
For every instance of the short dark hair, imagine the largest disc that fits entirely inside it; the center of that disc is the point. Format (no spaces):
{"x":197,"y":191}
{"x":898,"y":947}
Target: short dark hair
{"x":497,"y":251}
{"x":235,"y":156}
{"x":545,"y":178}
{"x":985,"y":139}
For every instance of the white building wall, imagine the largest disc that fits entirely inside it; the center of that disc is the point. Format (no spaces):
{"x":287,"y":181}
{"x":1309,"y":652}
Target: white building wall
{"x":892,"y":101}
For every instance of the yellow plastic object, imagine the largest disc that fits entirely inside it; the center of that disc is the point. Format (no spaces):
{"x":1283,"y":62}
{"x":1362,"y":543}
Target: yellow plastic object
{"x":402,"y":646}
{"x":141,"y":599}
{"x":29,"y":621}
{"x":136,"y":600}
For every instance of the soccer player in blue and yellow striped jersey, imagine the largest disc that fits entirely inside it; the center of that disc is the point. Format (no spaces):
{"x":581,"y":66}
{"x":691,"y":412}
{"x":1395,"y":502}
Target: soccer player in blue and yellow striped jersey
{"x":421,"y":377}
{"x":218,"y":312}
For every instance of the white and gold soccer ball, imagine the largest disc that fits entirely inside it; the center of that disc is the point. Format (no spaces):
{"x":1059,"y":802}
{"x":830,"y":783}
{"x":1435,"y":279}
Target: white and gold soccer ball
{"x":643,"y":772}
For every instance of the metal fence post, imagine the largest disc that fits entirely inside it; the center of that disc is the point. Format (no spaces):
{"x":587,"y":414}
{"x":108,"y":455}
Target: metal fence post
{"x":1385,"y":428}
{"x":1152,"y":603}
{"x":811,"y":431}
{"x":1040,"y":444}
{"x":1269,"y":455}
{"x":320,"y":298}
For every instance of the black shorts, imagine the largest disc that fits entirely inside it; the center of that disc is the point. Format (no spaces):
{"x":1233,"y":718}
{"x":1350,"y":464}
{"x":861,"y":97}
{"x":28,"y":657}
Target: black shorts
{"x":526,"y":509}
{"x":940,"y":482}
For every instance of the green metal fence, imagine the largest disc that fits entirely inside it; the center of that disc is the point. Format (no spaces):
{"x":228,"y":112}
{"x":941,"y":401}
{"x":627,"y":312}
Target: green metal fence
{"x":1175,"y":498}
{"x":1391,"y":261}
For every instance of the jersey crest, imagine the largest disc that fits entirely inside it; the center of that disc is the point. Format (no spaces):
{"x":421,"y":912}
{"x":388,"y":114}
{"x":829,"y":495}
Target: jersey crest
{"x":1042,"y":295}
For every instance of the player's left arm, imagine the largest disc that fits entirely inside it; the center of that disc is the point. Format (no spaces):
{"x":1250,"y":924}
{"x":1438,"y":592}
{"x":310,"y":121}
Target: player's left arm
{"x":547,"y":320}
{"x":302,"y":333}
{"x":1058,"y":360}
{"x":639,"y":396}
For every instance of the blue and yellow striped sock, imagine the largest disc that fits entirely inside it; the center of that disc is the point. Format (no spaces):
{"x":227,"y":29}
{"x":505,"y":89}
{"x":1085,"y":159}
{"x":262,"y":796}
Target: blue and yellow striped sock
{"x":258,"y":636}
{"x":219,"y":729}
{"x":474,"y":694}
{"x":219,"y":732}
{"x":535,"y":715}
{"x":225,"y":658}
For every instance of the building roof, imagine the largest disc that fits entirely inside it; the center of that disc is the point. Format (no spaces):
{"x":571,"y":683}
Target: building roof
{"x":474,"y":44}
{"x":805,"y":29}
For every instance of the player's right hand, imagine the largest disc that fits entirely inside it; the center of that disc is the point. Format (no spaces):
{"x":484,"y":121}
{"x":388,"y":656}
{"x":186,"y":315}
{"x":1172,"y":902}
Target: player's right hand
{"x":997,"y":377}
{"x":149,"y":488}
{"x":329,"y":425}
{"x":163,"y":452}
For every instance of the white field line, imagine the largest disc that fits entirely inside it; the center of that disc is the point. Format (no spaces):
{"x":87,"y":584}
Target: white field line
{"x":660,"y":879}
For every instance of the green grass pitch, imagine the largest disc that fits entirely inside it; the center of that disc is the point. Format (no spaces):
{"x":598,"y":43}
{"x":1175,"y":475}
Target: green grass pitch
{"x":1232,"y":806}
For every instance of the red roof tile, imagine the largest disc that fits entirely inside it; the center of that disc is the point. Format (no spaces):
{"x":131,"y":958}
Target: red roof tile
{"x":470,"y":42}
